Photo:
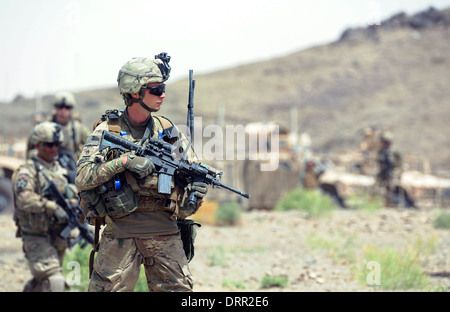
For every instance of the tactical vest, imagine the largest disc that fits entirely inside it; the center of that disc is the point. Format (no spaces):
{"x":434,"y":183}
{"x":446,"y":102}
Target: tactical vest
{"x":30,"y":221}
{"x":131,"y":195}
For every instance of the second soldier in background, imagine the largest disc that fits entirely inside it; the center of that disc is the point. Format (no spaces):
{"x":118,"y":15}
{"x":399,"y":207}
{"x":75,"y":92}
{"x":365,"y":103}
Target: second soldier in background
{"x":75,"y":132}
{"x":38,"y":217}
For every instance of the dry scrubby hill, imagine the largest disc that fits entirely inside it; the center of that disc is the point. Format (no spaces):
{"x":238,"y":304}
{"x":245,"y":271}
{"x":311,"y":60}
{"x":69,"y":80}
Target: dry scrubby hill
{"x":393,"y":76}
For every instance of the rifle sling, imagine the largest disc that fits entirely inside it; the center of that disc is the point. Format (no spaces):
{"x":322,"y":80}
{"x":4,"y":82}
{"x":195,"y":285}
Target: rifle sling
{"x":148,"y":130}
{"x":38,"y":168}
{"x":98,"y":223}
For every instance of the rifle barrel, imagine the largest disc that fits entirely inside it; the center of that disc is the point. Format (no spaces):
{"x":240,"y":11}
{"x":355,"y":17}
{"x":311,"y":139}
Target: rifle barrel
{"x":232,"y":189}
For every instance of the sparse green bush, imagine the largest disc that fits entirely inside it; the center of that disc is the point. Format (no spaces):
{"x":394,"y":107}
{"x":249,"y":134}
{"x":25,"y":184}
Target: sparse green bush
{"x":365,"y":201}
{"x":233,"y":284}
{"x":440,"y":288}
{"x":217,"y":257}
{"x":341,"y":249}
{"x":228,"y":213}
{"x":397,"y":270}
{"x":273,"y":281}
{"x":312,"y":203}
{"x":442,"y":221}
{"x":422,"y":248}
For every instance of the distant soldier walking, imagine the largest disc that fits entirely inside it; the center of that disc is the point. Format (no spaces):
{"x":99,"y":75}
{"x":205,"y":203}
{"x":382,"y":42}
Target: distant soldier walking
{"x":390,"y":172}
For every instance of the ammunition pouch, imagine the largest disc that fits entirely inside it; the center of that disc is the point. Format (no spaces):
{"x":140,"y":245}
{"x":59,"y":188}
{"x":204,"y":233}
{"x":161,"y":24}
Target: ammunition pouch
{"x":115,"y":198}
{"x":188,"y":234}
{"x":38,"y":222}
{"x":94,"y":202}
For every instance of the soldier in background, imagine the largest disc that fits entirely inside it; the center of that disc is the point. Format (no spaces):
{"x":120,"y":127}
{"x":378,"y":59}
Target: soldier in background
{"x":311,"y":177}
{"x":39,"y":219}
{"x":390,"y":171}
{"x":75,"y":132}
{"x":368,"y":148}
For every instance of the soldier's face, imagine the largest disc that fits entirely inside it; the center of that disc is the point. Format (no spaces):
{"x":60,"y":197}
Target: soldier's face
{"x":48,"y":151}
{"x":63,"y":114}
{"x":152,"y":98}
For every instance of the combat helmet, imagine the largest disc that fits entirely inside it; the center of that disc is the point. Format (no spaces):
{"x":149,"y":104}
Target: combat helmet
{"x":47,"y":131}
{"x":65,"y":98}
{"x":387,"y":136}
{"x":135,"y":74}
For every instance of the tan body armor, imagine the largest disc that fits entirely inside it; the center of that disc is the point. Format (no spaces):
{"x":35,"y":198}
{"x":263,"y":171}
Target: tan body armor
{"x":30,"y":213}
{"x":133,"y":195}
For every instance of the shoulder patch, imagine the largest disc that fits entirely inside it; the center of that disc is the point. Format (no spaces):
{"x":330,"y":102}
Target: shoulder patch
{"x":22,"y":182}
{"x":92,"y":141}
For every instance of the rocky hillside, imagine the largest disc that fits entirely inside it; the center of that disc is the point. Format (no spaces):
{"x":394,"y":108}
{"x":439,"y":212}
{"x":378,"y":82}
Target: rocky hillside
{"x":393,"y":76}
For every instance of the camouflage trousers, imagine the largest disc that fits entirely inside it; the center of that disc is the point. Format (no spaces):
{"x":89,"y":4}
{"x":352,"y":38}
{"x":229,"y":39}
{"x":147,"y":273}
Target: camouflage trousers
{"x":118,"y":263}
{"x":45,"y":256}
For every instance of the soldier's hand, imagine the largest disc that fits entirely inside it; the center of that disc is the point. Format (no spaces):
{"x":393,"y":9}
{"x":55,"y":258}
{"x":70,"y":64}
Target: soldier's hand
{"x":200,"y":189}
{"x":60,"y":215}
{"x":140,"y":165}
{"x":50,"y":207}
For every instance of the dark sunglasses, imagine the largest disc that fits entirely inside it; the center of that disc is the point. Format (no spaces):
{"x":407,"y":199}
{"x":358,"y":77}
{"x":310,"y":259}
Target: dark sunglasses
{"x":157,"y":90}
{"x":62,"y":105}
{"x":51,"y":144}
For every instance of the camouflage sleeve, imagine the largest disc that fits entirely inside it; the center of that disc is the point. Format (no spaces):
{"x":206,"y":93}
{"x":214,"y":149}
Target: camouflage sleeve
{"x":93,"y":169}
{"x":24,"y":186}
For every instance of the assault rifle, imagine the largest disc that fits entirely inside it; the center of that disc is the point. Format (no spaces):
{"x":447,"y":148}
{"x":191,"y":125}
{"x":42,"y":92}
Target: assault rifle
{"x":74,"y":212}
{"x":162,"y":155}
{"x":67,"y":161}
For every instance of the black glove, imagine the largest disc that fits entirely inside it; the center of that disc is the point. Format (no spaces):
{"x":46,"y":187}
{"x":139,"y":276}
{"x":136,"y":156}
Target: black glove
{"x":200,"y":189}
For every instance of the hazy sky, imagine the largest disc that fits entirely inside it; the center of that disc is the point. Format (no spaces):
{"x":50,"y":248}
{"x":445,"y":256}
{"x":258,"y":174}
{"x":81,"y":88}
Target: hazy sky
{"x":50,"y":45}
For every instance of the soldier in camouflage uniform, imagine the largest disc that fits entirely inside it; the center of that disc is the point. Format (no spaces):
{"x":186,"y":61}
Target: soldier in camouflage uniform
{"x":368,"y":148}
{"x":389,"y":167}
{"x":75,"y":132}
{"x":141,"y":224}
{"x":311,"y":177}
{"x":40,"y":219}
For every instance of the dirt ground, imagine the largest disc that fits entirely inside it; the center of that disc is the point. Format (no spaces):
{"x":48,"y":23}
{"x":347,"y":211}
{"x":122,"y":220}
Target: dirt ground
{"x":235,"y":258}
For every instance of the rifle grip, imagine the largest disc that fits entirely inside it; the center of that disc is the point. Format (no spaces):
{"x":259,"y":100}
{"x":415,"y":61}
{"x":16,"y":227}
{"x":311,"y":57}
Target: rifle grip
{"x":192,"y":200}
